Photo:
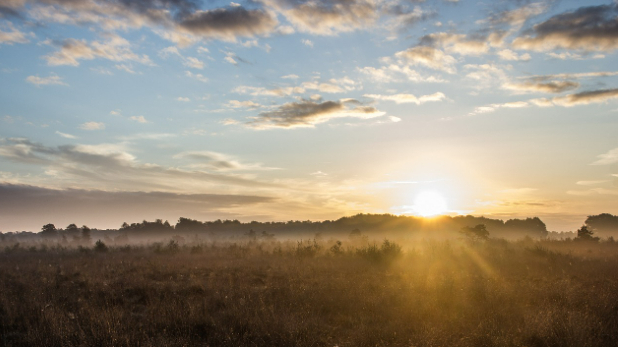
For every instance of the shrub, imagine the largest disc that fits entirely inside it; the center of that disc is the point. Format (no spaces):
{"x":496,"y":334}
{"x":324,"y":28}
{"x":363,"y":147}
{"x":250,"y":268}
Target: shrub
{"x":100,"y":246}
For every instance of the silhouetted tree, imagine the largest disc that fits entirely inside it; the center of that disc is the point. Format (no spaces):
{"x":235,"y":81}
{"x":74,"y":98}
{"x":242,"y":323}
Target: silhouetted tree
{"x":72,"y":231}
{"x":531,"y":226}
{"x":603,"y":223}
{"x":86,"y":235}
{"x":100,"y":246}
{"x":585,"y":234}
{"x":476,"y":233}
{"x":49,"y":231}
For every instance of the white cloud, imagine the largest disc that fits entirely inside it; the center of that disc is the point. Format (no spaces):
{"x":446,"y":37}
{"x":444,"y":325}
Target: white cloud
{"x":66,"y":136}
{"x":92,"y":126}
{"x":115,"y":48}
{"x":125,"y":67}
{"x":307,"y":42}
{"x":139,"y":119}
{"x":243,"y":104}
{"x":194,"y":63}
{"x":196,"y":76}
{"x":41,"y":81}
{"x":183,"y":99}
{"x":430,"y":57}
{"x":507,"y":54}
{"x":13,"y":36}
{"x":610,"y":157}
{"x":408,"y":98}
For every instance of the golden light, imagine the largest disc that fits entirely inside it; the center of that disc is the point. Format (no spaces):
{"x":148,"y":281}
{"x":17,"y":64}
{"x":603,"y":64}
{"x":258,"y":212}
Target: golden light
{"x":429,"y":203}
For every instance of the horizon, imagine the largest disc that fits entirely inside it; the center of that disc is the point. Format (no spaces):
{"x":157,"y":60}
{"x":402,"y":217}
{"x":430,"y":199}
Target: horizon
{"x":278,"y":110}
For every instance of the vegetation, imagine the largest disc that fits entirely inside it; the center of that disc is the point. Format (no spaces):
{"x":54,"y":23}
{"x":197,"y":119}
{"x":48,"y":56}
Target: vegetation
{"x":347,"y":292}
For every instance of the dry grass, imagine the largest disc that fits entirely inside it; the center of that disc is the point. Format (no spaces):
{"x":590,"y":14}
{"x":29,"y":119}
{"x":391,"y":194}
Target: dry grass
{"x":496,"y":293}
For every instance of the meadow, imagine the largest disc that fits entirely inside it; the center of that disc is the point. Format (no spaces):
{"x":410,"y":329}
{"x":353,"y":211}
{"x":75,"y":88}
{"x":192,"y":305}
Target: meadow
{"x":354,"y":292}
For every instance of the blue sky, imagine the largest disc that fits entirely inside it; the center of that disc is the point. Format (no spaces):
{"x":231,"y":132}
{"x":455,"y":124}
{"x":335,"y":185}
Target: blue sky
{"x":282,"y":109}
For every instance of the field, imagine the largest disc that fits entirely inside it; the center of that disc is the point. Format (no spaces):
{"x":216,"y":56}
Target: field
{"x":314,"y":293}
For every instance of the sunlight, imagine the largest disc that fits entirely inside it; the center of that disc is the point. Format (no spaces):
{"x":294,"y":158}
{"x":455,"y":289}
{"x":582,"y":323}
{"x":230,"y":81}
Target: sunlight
{"x":429,"y":203}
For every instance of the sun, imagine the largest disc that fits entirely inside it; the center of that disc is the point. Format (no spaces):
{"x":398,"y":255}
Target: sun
{"x":429,"y":203}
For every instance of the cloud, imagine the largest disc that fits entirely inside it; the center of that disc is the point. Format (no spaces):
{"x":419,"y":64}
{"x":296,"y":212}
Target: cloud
{"x":292,"y":76}
{"x":112,"y":166}
{"x":39,"y":205}
{"x":180,"y":21}
{"x":139,"y":119}
{"x":125,"y":67}
{"x":391,"y":72}
{"x":408,"y":98}
{"x":585,"y":98}
{"x":404,"y":17}
{"x":218,"y":161}
{"x":92,"y":126}
{"x":191,"y":62}
{"x":574,"y":56}
{"x":41,"y":81}
{"x":518,"y":16}
{"x":610,"y":157}
{"x":183,"y":99}
{"x":430,"y":57}
{"x":541,"y":86}
{"x":507,"y":54}
{"x":66,"y":136}
{"x":261,"y":91}
{"x":227,"y":24}
{"x":307,"y":43}
{"x":243,"y":104}
{"x":493,"y":107}
{"x":590,"y":183}
{"x":196,"y":76}
{"x":487,"y":74}
{"x":308,"y":113}
{"x":456,"y":43}
{"x":592,"y":28}
{"x":115,"y":48}
{"x":13,"y":36}
{"x":328,"y":17}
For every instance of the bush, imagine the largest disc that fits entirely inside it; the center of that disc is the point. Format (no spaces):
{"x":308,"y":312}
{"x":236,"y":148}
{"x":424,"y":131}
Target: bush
{"x":387,"y":253}
{"x":100,"y":246}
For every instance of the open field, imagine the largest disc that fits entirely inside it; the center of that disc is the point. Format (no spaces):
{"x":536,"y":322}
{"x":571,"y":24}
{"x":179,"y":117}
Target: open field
{"x":270,"y":293}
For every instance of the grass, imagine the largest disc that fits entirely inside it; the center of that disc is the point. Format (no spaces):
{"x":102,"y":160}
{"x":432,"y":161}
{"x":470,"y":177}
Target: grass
{"x":311,"y":293}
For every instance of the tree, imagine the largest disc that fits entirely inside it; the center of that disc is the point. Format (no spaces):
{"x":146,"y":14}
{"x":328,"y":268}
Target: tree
{"x":72,"y":231}
{"x":585,"y":234}
{"x":86,"y":235}
{"x":49,"y":231}
{"x":476,"y":233}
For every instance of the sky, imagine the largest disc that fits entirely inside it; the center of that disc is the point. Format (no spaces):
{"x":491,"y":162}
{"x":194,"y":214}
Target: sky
{"x":275,"y":110}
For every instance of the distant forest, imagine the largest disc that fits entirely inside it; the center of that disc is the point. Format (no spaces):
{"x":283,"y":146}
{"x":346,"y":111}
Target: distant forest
{"x":372,"y":225}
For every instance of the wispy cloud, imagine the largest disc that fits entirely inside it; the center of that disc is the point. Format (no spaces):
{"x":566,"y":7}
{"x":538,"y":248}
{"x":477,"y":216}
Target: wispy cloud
{"x":115,"y":48}
{"x":196,"y":76}
{"x":218,"y":161}
{"x":307,"y":113}
{"x":408,"y":98}
{"x":610,"y":157}
{"x":430,"y":57}
{"x":587,"y":97}
{"x":65,"y":135}
{"x":49,"y":80}
{"x":13,"y":36}
{"x":92,"y":126}
{"x":139,"y":119}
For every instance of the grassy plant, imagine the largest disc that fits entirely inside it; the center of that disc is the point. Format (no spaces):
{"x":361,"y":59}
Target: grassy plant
{"x":495,"y":293}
